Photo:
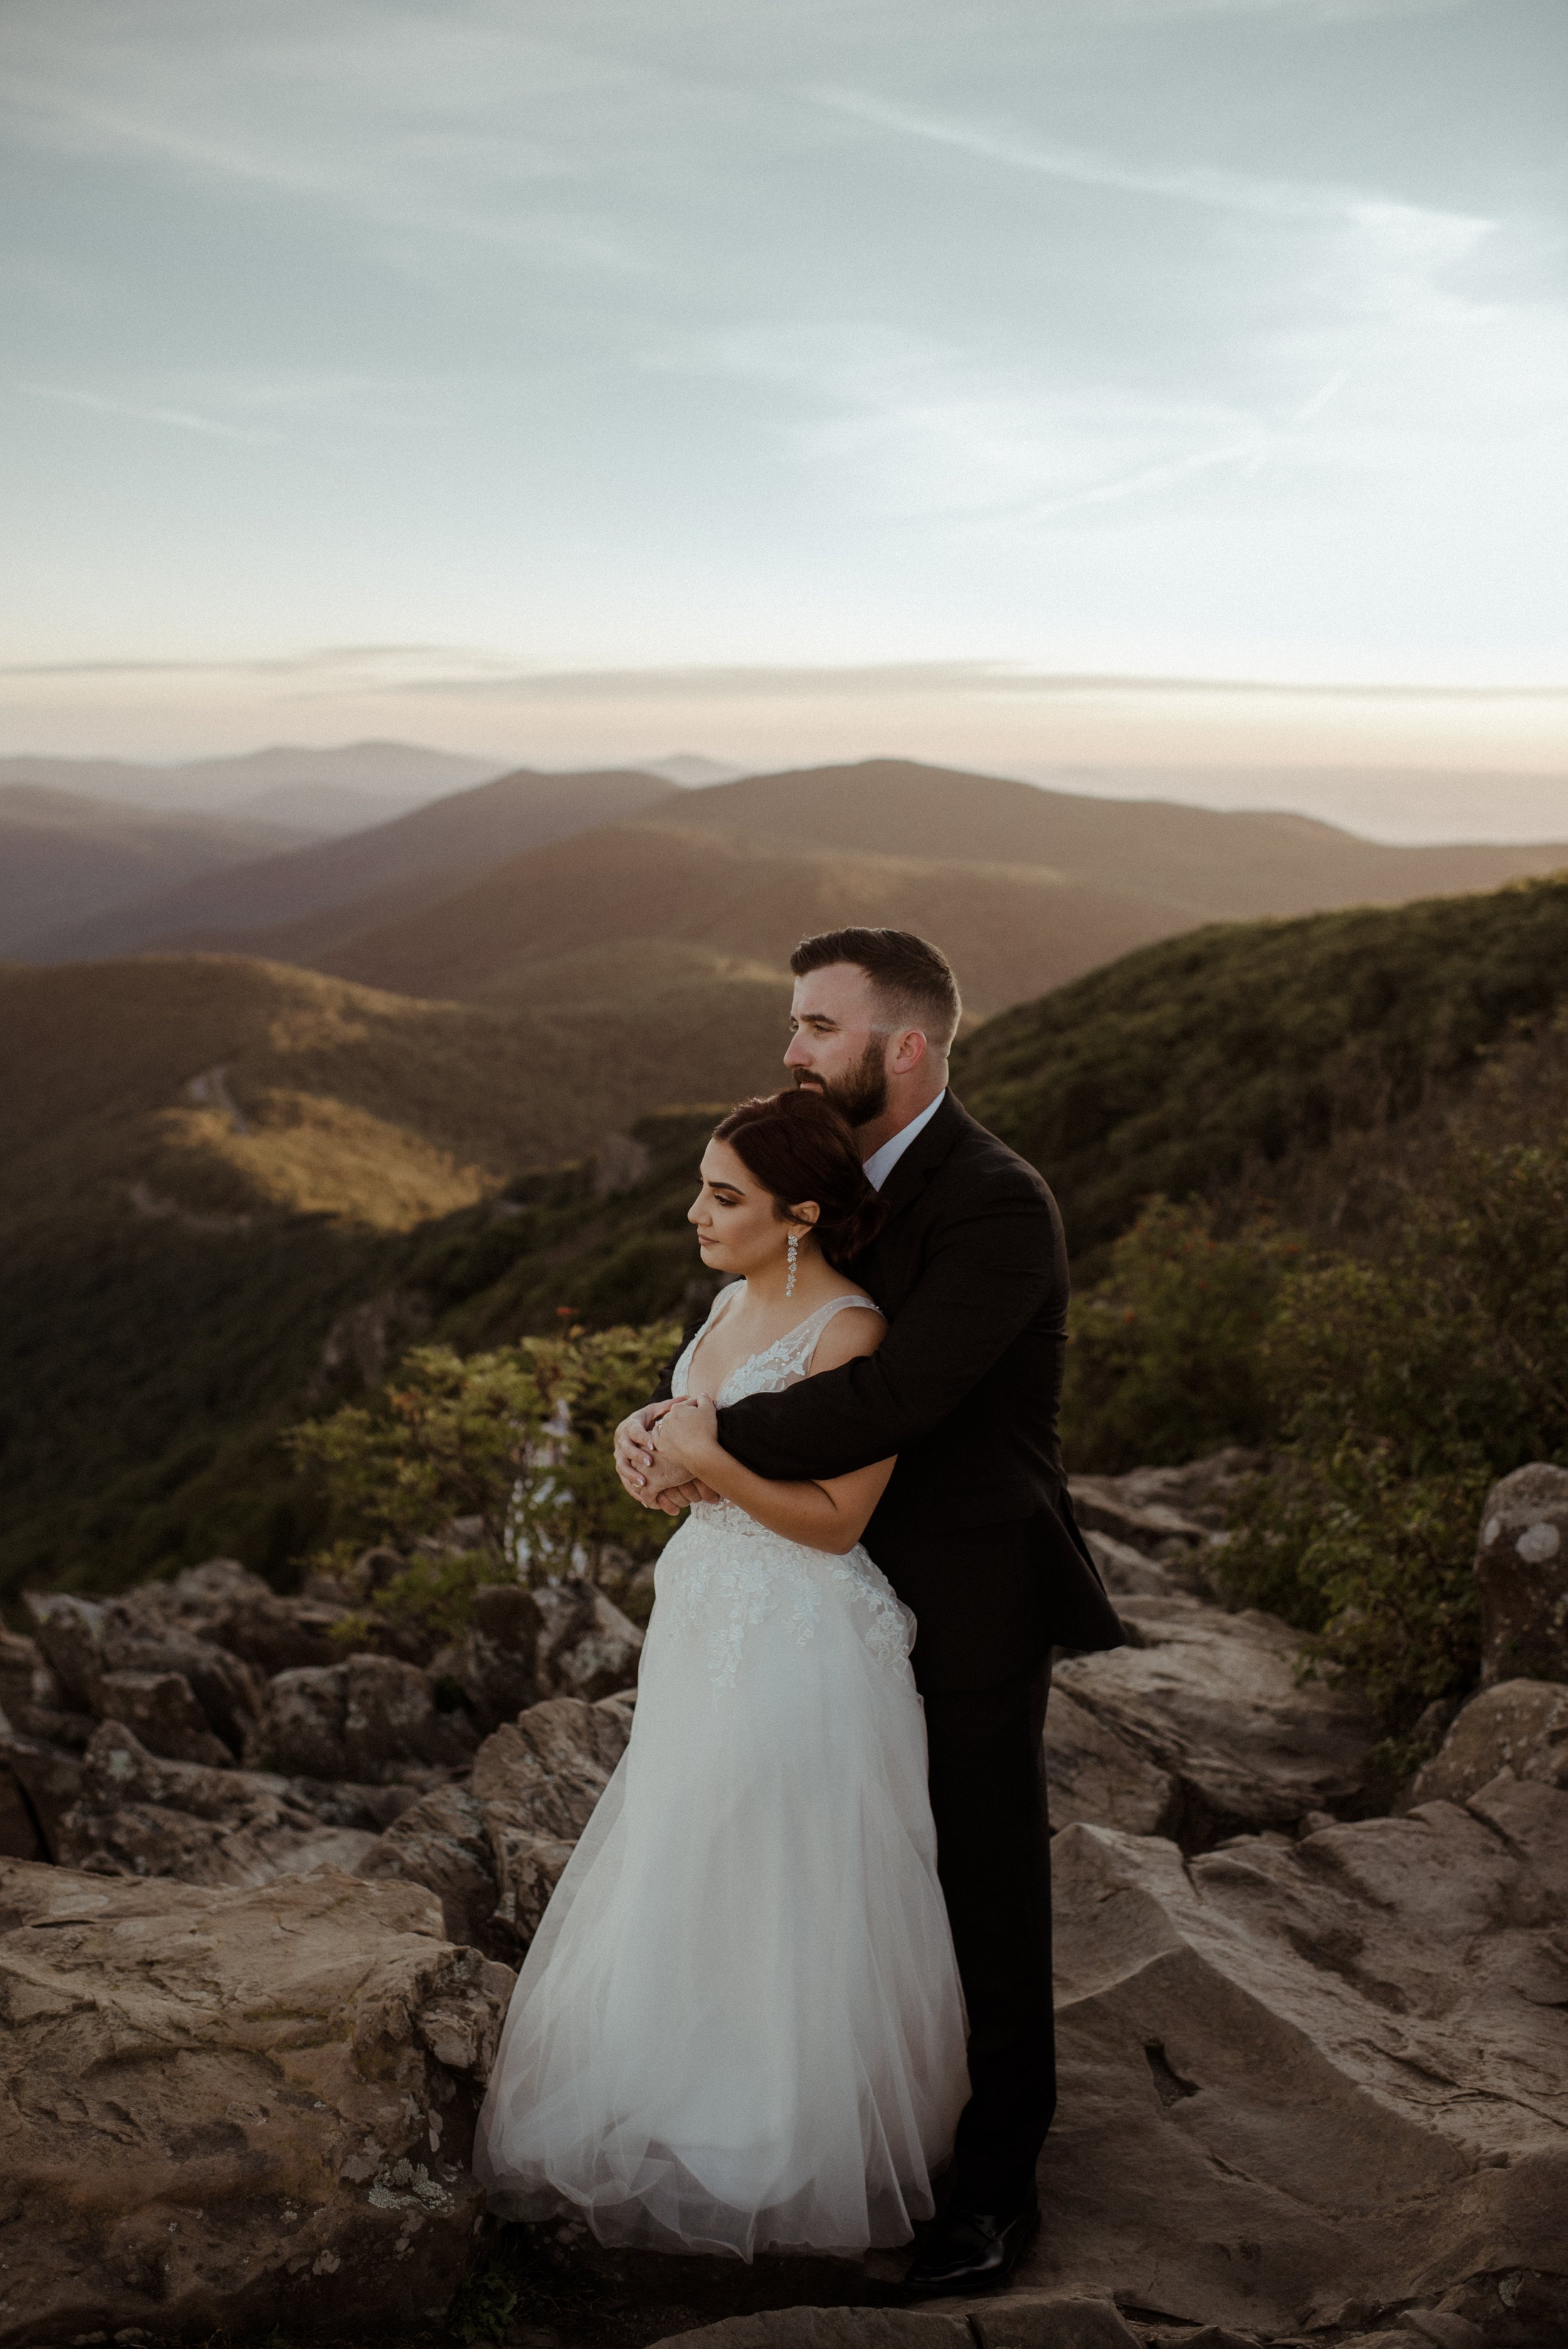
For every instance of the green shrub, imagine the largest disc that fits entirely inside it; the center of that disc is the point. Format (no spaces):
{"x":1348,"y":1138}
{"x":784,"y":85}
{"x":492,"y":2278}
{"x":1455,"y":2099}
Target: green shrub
{"x":1403,"y":1388}
{"x":517,"y":1442}
{"x":1165,"y":1359}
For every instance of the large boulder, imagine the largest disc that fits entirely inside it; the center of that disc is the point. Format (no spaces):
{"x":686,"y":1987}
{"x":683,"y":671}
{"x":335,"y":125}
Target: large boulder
{"x":1521,"y":1571}
{"x":1519,"y":1725}
{"x":49,"y":1781}
{"x":587,"y":1648}
{"x":1311,"y":2086}
{"x":493,"y":1853}
{"x":161,"y":1708}
{"x":371,"y":1718}
{"x":21,"y":1836}
{"x":235,"y":2112}
{"x":494,"y":1664}
{"x":537,"y":1782}
{"x":1199,"y":1729}
{"x":442,"y":1843}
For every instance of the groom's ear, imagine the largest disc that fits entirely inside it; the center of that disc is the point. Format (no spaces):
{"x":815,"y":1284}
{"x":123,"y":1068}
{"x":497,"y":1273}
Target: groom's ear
{"x":910,"y":1048}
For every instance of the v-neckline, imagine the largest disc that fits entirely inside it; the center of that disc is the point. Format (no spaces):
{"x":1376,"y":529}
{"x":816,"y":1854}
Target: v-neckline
{"x":845,"y":1297}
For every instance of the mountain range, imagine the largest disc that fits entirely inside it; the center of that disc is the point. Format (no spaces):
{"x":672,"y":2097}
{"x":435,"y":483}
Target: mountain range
{"x":1026,"y":887}
{"x":351,"y":781}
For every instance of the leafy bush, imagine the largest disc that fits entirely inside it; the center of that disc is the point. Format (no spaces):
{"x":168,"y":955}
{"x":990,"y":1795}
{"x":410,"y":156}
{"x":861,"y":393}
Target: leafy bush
{"x":1403,"y":1388}
{"x":1165,"y":1360}
{"x":516,"y":1442}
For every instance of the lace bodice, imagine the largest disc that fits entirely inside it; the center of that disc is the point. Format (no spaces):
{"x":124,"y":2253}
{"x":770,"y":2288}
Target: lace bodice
{"x":725,"y":1573}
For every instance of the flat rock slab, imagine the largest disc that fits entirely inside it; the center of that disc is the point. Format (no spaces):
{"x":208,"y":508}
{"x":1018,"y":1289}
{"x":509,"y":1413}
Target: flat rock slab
{"x":1202,"y":1730}
{"x":1299,"y":2076}
{"x":233,"y":2110}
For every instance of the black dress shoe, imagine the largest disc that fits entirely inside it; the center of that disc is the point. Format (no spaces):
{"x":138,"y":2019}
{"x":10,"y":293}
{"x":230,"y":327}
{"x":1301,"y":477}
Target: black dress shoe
{"x":969,"y":2250}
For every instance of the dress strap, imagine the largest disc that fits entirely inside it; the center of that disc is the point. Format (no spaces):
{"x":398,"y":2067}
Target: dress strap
{"x":808,"y":1337}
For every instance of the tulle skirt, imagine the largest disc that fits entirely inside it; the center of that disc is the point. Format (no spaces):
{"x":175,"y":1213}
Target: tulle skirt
{"x":739,"y":2026}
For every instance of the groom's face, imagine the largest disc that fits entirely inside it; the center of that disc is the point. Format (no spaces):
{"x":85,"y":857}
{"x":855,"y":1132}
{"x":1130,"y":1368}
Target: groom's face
{"x":837,"y":1048}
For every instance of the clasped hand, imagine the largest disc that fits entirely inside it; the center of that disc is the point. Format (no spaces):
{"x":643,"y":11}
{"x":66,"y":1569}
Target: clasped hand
{"x":657,"y":1464}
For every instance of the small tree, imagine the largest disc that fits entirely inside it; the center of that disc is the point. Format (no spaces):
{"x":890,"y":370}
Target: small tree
{"x":519,"y":1440}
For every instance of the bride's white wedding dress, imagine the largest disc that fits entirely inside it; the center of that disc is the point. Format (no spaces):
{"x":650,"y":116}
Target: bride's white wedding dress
{"x":739,"y":2027}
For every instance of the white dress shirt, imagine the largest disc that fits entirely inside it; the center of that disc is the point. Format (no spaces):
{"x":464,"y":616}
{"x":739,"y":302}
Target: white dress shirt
{"x":881,"y":1162}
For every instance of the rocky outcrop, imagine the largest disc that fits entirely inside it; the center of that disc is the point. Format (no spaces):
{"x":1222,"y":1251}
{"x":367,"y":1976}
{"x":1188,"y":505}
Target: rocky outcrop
{"x":493,"y":1852}
{"x":207,"y":1730}
{"x":1520,"y":1726}
{"x":1201,"y":1729}
{"x":1522,"y":1573}
{"x":224,"y":1605}
{"x":234,"y":2111}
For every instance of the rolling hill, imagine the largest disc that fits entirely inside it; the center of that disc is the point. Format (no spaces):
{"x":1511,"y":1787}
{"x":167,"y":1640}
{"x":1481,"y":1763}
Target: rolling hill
{"x":214,"y":1160}
{"x":187,"y":1088}
{"x":1223,"y":865}
{"x":64,"y":857}
{"x":1010,"y":930}
{"x":367,"y":878}
{"x":1026,"y":888}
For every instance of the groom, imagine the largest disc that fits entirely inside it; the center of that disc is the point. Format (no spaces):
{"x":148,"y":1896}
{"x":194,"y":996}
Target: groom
{"x":976,"y":1531}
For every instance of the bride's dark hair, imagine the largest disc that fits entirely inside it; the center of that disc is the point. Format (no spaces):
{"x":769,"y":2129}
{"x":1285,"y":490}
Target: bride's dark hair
{"x":798,"y":1149}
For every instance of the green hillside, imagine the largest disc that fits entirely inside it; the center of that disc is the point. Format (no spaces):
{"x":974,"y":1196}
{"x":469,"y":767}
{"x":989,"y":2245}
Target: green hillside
{"x":149,"y":1358}
{"x":1236,"y":1050}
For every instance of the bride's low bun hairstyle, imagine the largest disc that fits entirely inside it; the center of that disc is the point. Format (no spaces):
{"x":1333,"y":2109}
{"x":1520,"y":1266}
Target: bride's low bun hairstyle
{"x":798,"y":1149}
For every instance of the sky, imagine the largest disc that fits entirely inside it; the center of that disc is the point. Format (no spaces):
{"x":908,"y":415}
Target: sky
{"x":1135,"y":385}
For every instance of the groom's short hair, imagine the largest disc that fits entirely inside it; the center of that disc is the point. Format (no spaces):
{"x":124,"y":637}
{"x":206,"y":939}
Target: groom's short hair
{"x":911,"y":979}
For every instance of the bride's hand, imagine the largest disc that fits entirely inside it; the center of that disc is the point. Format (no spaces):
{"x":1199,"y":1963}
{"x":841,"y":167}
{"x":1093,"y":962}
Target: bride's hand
{"x":687,"y":1438}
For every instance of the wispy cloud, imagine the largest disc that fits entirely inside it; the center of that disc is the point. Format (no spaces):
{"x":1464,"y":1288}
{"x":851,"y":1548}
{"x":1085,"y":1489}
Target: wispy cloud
{"x":181,"y":419}
{"x":338,"y":661}
{"x":898,"y":679}
{"x":1084,"y":166}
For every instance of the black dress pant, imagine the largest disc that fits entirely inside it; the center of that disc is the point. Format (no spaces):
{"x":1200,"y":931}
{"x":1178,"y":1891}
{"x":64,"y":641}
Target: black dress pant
{"x":993,"y":1855}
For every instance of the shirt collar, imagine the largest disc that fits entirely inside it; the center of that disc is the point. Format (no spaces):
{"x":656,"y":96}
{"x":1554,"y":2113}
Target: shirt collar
{"x":881,"y":1162}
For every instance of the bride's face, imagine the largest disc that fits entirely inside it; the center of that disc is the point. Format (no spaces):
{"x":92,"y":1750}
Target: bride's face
{"x":737,"y":1227}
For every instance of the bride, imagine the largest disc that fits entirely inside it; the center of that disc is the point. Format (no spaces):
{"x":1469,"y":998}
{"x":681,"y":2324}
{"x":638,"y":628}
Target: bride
{"x":739,"y":2027}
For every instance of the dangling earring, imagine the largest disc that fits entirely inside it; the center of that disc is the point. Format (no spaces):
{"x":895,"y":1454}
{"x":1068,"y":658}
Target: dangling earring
{"x":791,"y":1252}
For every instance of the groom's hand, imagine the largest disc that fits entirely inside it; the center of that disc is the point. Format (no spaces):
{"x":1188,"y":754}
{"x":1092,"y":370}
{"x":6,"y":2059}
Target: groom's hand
{"x":637,"y":1465}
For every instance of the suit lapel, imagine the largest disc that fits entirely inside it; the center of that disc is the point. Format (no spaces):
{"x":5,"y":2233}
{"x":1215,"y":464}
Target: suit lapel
{"x":921,"y":1159}
{"x":892,"y":1259}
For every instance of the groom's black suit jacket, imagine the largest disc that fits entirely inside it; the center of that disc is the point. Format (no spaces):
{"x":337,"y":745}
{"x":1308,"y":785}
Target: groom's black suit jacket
{"x":976,"y":1531}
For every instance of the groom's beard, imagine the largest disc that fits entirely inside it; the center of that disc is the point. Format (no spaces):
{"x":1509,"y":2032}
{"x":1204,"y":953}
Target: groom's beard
{"x":862,"y":1095}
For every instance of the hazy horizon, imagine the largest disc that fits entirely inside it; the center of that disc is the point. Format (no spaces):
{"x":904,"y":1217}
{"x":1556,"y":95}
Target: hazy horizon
{"x":1373,"y":807}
